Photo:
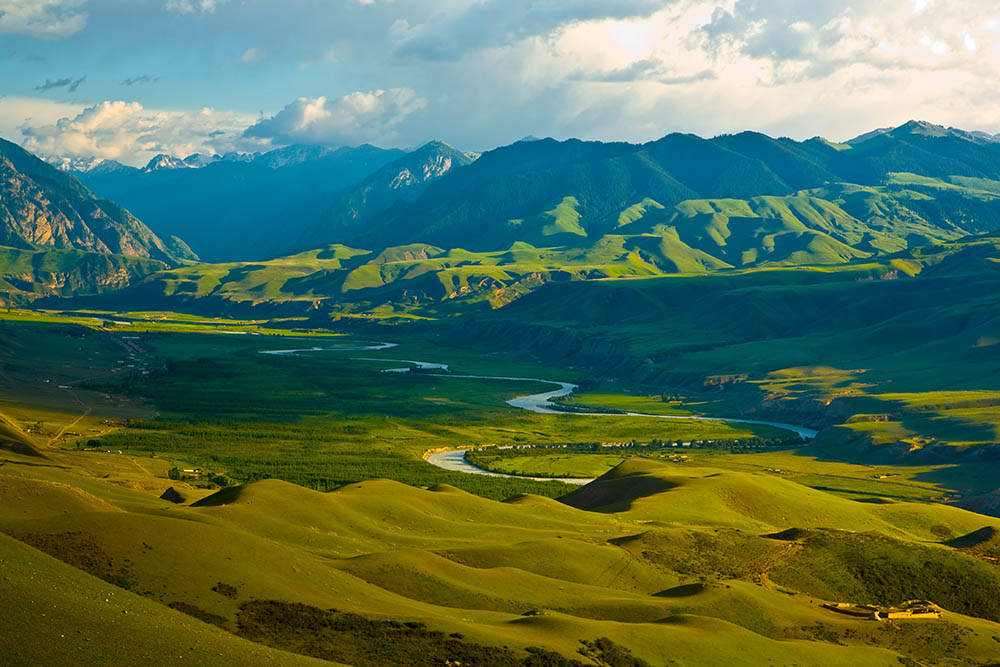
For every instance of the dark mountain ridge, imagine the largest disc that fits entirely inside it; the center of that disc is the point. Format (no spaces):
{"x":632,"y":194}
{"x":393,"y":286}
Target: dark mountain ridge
{"x":243,"y":210}
{"x":513,"y":193}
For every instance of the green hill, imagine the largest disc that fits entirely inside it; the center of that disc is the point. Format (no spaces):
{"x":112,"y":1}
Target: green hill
{"x":834,"y":226}
{"x":694,"y":559}
{"x":448,"y":574}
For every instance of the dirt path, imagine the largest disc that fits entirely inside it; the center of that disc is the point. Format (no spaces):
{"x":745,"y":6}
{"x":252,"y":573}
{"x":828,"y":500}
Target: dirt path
{"x":141,"y":467}
{"x":87,"y":410}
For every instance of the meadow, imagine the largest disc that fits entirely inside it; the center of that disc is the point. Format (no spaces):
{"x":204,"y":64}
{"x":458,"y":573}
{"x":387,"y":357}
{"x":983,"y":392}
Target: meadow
{"x":325,"y":419}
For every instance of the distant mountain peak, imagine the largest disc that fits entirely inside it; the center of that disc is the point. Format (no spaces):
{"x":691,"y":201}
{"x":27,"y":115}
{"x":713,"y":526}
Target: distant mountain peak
{"x":164,"y":161}
{"x":434,"y":144}
{"x":428,"y":163}
{"x":85,"y":165}
{"x":198,"y":160}
{"x":923,"y":128}
{"x":292,"y":155}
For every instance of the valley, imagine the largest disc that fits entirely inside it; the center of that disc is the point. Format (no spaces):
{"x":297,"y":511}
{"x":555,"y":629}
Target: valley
{"x":611,"y":560}
{"x":561,"y":403}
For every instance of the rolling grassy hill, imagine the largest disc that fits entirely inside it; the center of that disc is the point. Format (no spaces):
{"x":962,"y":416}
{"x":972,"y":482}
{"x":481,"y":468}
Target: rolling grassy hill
{"x":26,"y":275}
{"x":692,"y":562}
{"x":694,"y":237}
{"x":899,"y":355}
{"x":449,"y":574}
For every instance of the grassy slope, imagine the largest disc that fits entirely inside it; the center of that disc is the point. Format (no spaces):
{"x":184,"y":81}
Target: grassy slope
{"x":68,"y":617}
{"x":469,"y":565}
{"x":831,"y":226}
{"x":814,"y":345}
{"x":26,"y":275}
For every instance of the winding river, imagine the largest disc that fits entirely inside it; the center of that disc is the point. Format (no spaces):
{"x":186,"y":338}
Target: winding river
{"x":541,"y":403}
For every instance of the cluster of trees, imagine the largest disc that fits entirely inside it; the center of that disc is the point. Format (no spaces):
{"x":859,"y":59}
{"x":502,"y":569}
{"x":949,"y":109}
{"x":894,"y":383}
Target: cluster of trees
{"x":210,"y":479}
{"x":493,"y":452}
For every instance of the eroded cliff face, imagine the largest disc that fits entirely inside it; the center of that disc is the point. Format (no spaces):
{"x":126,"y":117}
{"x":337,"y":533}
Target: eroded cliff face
{"x":42,"y":208}
{"x":30,"y":216}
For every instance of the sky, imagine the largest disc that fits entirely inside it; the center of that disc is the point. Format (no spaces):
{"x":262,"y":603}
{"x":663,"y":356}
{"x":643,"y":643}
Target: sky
{"x":127,"y":79}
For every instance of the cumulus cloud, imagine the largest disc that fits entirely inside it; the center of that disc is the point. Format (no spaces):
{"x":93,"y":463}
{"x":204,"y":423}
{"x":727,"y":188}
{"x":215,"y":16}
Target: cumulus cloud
{"x":355,"y":118}
{"x":812,"y":39}
{"x":42,"y":18}
{"x":450,"y":34}
{"x":130,"y":133}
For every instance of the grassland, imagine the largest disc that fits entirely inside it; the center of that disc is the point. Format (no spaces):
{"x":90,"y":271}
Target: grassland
{"x":324,"y":419}
{"x":688,"y":562}
{"x":321,"y":420}
{"x":668,"y":566}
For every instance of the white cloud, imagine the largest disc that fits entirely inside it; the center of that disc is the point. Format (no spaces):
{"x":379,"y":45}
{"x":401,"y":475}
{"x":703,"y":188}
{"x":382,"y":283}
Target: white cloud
{"x":356,"y":118}
{"x":252,"y":55}
{"x":970,"y":42}
{"x":490,"y":71}
{"x":17,"y":112}
{"x":451,"y":32}
{"x":189,"y":6}
{"x":780,"y":66}
{"x":42,"y":18}
{"x":935,"y":46}
{"x":130,"y":133}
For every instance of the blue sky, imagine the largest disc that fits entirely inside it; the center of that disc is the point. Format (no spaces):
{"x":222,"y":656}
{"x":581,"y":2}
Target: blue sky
{"x":127,"y":79}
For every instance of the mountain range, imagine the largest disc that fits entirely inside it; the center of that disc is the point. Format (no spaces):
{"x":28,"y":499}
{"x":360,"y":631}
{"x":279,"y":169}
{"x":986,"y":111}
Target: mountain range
{"x":259,"y":206}
{"x":408,"y":230}
{"x":547,"y":192}
{"x":550,"y":192}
